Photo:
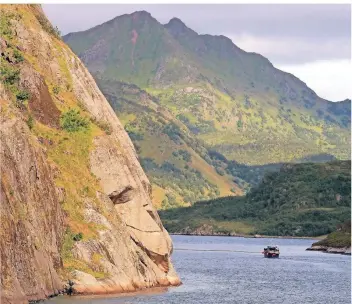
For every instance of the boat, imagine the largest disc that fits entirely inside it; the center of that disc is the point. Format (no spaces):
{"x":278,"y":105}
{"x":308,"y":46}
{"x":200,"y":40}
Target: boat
{"x":271,"y":252}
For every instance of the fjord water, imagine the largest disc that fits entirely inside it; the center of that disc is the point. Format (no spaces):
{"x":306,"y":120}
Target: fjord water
{"x":240,"y":274}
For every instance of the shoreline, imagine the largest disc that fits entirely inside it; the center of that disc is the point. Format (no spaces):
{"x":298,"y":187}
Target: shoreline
{"x":114,"y":293}
{"x":332,"y":250}
{"x":143,"y":291}
{"x":257,"y":236}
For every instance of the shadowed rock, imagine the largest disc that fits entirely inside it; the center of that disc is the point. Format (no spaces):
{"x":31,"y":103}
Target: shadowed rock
{"x":121,"y":196}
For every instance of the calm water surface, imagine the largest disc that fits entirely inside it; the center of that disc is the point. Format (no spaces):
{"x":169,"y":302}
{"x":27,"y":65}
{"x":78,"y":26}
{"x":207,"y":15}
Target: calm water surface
{"x":244,"y":276}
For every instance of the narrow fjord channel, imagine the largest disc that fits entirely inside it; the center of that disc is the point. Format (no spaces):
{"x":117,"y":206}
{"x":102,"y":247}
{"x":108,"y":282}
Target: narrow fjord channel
{"x":233,"y":270}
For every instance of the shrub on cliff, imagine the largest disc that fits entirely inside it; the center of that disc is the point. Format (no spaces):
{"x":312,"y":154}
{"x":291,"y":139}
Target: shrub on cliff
{"x":72,"y":121}
{"x":30,"y":122}
{"x":77,"y":237}
{"x":22,"y":95}
{"x":9,"y":75}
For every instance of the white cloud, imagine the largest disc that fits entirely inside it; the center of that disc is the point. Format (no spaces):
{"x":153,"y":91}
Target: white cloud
{"x":330,"y":79}
{"x":294,"y":49}
{"x":322,"y":66}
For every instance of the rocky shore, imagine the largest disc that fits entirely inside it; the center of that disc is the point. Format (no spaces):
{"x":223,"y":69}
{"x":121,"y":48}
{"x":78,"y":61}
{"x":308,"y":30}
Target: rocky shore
{"x":344,"y":250}
{"x":338,"y":242}
{"x":86,"y":284}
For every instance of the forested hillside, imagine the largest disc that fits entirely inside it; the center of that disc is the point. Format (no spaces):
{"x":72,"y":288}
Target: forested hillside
{"x":300,"y":200}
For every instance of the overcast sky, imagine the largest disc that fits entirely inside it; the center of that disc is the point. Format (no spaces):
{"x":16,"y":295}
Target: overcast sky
{"x":313,"y":42}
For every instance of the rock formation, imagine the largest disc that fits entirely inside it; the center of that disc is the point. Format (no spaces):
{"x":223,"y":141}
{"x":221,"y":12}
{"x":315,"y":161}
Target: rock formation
{"x":75,"y":202}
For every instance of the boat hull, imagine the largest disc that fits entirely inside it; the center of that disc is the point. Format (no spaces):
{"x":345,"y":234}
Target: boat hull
{"x":271,"y":255}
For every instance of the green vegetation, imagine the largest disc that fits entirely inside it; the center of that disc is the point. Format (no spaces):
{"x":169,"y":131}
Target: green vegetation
{"x":183,"y":154}
{"x":71,"y":263}
{"x":10,"y":60}
{"x":172,"y":159}
{"x":30,"y":122}
{"x":233,"y":112}
{"x":18,"y":56}
{"x":69,"y":151}
{"x":67,"y":245}
{"x":5,"y":24}
{"x":190,"y":183}
{"x":336,"y":239}
{"x":72,"y":121}
{"x":22,"y":95}
{"x":300,"y":200}
{"x":56,"y":90}
{"x":239,"y":124}
{"x":340,"y":238}
{"x":10,"y":77}
{"x":77,"y":237}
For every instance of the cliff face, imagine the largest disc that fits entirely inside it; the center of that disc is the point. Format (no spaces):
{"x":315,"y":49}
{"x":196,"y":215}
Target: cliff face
{"x":75,"y":203}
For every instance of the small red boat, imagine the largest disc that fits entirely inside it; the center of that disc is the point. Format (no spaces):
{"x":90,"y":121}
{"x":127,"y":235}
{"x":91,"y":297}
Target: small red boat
{"x":271,"y":252}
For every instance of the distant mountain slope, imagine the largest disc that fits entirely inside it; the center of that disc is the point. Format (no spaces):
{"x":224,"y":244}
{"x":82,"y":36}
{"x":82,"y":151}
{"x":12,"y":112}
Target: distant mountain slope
{"x":231,"y":102}
{"x":180,"y":168}
{"x":300,"y":200}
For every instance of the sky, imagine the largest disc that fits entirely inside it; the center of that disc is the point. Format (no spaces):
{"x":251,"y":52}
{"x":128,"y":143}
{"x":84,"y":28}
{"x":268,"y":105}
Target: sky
{"x":311,"y":41}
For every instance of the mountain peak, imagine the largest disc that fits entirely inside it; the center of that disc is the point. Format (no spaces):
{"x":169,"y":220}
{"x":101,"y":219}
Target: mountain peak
{"x":176,"y":21}
{"x":140,"y":18}
{"x":137,"y":15}
{"x":177,"y":27}
{"x":141,"y":14}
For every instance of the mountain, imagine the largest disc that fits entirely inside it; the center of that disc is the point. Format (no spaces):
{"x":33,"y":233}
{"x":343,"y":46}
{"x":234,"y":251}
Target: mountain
{"x":204,"y":106}
{"x":75,"y":202}
{"x":308,"y":199}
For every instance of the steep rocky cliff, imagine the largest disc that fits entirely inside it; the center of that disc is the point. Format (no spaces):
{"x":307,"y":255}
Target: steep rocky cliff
{"x":75,"y":202}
